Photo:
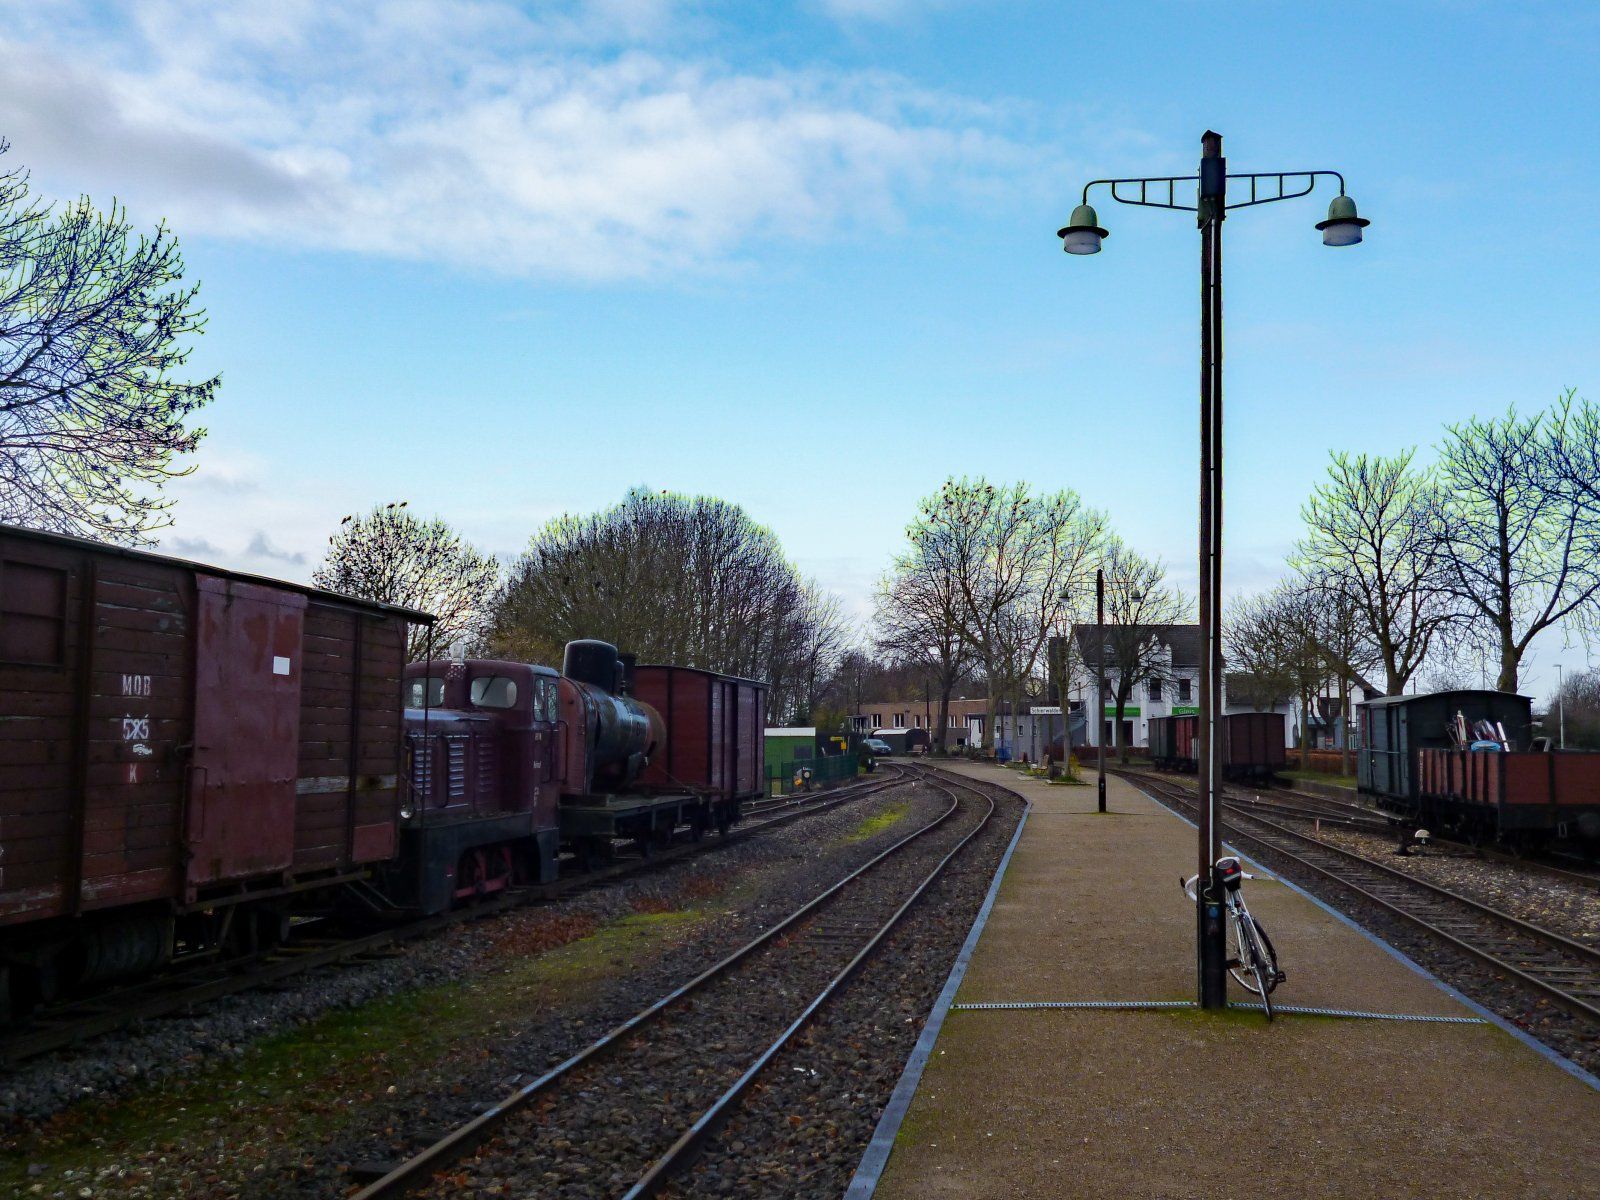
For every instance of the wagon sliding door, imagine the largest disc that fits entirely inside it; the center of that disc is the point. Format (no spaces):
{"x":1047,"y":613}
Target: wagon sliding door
{"x":246,"y":730}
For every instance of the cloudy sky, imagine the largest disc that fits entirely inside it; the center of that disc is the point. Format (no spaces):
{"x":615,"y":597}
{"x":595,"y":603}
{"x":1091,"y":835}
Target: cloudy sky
{"x":506,"y":260}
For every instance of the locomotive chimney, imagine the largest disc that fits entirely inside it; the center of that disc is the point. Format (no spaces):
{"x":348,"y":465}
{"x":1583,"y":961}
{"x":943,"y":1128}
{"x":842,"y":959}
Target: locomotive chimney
{"x":593,"y":662}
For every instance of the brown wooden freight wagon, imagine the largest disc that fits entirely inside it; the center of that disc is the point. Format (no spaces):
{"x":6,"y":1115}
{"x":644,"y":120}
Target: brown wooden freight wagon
{"x":182,"y":750}
{"x":716,"y":725}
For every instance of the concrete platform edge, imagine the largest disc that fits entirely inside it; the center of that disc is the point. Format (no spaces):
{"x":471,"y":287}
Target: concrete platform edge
{"x":876,"y":1157}
{"x":1527,"y":1039}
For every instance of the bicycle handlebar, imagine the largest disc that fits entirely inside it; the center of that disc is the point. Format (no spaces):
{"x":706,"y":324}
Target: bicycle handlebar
{"x":1189,"y":888}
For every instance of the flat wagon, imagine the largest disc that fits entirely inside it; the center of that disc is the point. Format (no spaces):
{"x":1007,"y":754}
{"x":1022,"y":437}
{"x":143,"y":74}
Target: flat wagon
{"x":1502,"y":788}
{"x":182,"y":750}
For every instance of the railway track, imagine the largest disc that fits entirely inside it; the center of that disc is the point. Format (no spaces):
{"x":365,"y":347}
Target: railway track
{"x":1347,"y":814}
{"x":1557,"y":967}
{"x":685,"y":1047}
{"x":190,"y":986}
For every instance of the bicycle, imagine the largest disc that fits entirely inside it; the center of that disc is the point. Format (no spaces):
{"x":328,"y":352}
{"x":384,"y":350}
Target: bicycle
{"x":1251,"y":957}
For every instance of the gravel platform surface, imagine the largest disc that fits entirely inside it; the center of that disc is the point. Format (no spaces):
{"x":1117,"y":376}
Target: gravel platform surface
{"x":1049,"y":1103}
{"x":391,"y":1106}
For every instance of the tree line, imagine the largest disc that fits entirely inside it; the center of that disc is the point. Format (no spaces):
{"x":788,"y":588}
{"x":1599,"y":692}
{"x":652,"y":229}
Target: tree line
{"x":1410,"y":574}
{"x":687,"y":580}
{"x":990,"y":582}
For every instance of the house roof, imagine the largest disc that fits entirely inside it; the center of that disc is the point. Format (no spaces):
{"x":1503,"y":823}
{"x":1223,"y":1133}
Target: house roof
{"x":1184,"y":640}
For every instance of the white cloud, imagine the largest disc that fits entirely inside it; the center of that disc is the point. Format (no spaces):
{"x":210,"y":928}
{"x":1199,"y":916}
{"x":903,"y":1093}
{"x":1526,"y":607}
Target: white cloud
{"x":475,"y":133}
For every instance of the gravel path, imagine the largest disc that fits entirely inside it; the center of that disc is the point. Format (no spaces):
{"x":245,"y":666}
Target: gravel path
{"x":390,"y":1105}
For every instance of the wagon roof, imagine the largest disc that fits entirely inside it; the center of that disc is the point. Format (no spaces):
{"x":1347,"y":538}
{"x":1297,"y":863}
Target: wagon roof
{"x":701,"y":671}
{"x":89,"y":546}
{"x":1412,"y":698}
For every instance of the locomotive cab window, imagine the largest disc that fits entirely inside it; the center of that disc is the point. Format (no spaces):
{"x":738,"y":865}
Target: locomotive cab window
{"x":425,"y":693}
{"x":33,"y":614}
{"x":494,"y":691}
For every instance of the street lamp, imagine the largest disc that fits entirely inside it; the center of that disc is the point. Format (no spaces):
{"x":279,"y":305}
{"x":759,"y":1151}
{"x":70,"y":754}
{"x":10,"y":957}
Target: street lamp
{"x":1100,"y":653}
{"x":1083,"y":235}
{"x":1561,"y":706}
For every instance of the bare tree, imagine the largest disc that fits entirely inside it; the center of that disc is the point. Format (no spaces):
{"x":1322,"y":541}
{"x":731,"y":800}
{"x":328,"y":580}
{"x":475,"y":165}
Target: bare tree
{"x":1140,"y":607}
{"x":1520,"y":547}
{"x":91,"y":416}
{"x":688,"y":580}
{"x":1369,"y":534}
{"x":1015,"y":565}
{"x":393,"y":557}
{"x":918,"y":621}
{"x":1278,"y":637}
{"x":1578,"y":705}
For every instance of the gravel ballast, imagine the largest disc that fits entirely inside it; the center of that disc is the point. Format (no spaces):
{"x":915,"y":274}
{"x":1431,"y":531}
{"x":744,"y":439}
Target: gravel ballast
{"x":388,"y":1106}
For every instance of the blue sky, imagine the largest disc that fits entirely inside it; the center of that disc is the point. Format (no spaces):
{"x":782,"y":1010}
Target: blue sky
{"x":504,"y":261}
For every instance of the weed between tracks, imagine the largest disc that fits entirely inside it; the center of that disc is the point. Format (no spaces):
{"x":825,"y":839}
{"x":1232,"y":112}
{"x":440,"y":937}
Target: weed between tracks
{"x":878,"y":822}
{"x":290,"y":1090}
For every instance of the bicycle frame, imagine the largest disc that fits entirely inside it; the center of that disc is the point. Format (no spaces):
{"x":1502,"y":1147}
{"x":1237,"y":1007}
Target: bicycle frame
{"x":1251,"y":952}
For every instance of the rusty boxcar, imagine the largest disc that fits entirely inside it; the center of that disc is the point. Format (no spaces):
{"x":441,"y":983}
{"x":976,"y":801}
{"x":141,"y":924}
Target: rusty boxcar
{"x":183,"y":749}
{"x":1252,"y":744}
{"x":716,"y":743}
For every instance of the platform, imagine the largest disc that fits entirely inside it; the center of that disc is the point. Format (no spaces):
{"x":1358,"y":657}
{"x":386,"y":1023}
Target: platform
{"x":1179,"y":1103}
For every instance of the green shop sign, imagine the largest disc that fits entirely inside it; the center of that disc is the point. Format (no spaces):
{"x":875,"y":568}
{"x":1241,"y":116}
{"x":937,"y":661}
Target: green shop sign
{"x":1131,"y":711}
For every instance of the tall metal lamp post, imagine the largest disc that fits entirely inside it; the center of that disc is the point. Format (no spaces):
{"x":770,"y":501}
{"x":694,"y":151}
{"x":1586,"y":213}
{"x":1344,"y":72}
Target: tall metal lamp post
{"x":1083,"y":235}
{"x":1100,"y":675}
{"x":1561,"y":706}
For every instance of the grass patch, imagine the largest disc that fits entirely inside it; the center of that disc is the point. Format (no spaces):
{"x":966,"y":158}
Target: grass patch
{"x":878,"y":822}
{"x":296,"y":1087}
{"x":1345,"y":781}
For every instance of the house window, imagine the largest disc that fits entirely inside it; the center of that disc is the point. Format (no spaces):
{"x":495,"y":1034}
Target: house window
{"x":33,"y":614}
{"x":1183,"y":691}
{"x":1155,"y":689}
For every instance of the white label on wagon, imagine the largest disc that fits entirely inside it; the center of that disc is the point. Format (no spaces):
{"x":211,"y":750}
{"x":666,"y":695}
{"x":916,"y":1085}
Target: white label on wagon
{"x":280,"y":665}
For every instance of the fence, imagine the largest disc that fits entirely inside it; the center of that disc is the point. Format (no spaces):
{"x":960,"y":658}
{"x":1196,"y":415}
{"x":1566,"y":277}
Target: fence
{"x":825,"y":770}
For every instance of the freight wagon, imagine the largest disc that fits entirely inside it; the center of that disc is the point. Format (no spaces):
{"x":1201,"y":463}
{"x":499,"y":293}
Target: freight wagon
{"x":190,"y":756}
{"x":183,"y":751}
{"x":1252,"y":744}
{"x":1511,"y":787}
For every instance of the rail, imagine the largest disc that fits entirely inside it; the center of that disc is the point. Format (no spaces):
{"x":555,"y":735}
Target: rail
{"x":420,"y":1168}
{"x":1567,"y":978}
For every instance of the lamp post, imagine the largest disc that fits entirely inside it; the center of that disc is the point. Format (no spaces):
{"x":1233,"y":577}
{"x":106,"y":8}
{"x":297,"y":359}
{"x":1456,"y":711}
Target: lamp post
{"x":1083,"y":235}
{"x":1561,"y":707}
{"x":1100,"y":674}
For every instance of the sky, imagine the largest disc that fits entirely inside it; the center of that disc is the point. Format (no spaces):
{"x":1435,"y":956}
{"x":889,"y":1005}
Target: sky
{"x":504,"y":261}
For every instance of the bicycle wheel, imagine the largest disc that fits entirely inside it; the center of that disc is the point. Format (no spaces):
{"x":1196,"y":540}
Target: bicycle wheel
{"x":1269,"y":955}
{"x":1241,"y":951}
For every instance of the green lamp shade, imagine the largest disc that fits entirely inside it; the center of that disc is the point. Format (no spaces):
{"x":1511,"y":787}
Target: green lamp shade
{"x":1343,"y":227}
{"x":1082,"y":233}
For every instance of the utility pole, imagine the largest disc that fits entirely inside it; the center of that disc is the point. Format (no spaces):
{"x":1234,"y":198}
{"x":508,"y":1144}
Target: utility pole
{"x":1100,"y":679}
